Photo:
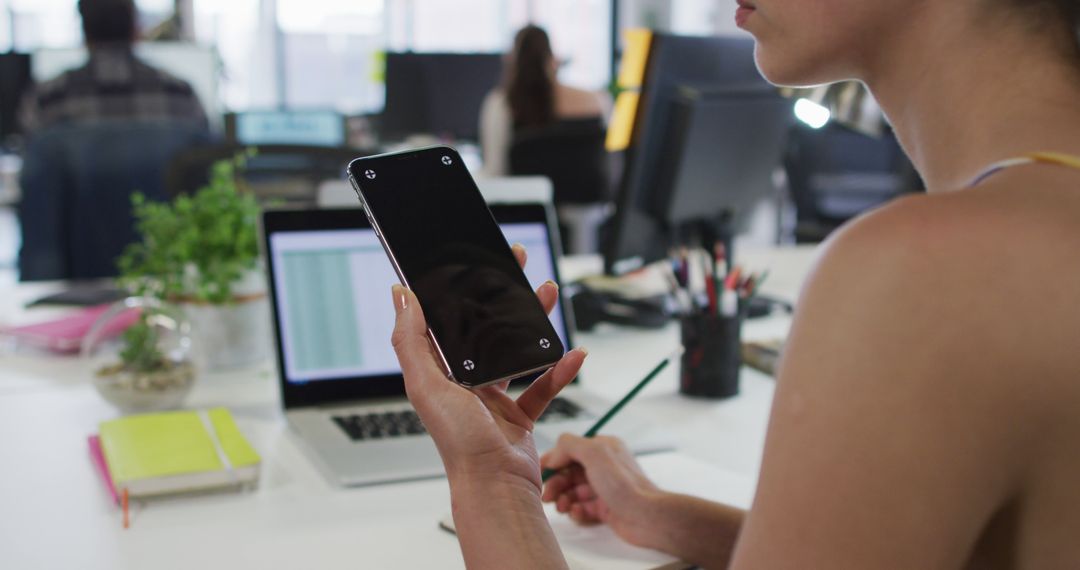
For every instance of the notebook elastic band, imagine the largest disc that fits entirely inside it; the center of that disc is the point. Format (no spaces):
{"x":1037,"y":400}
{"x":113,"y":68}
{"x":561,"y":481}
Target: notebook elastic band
{"x":208,"y":424}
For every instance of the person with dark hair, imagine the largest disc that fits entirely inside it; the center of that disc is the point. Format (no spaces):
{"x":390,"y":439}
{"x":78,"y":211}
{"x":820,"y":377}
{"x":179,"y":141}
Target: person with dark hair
{"x":94,"y":135}
{"x":113,"y":84}
{"x":530,"y":96}
{"x":927,"y":408}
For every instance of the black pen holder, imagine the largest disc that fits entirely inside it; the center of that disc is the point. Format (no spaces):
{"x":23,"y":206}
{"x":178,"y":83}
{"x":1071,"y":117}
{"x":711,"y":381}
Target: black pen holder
{"x":712,"y":355}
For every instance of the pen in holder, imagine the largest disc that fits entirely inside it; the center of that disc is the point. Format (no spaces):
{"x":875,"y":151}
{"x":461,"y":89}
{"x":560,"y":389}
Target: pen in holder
{"x":712,"y":356}
{"x":711,"y":319}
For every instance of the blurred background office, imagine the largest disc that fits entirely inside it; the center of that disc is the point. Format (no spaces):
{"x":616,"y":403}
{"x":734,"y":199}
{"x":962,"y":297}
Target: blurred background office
{"x":96,"y":134}
{"x":314,"y":82}
{"x":534,"y":124}
{"x":531,"y":96}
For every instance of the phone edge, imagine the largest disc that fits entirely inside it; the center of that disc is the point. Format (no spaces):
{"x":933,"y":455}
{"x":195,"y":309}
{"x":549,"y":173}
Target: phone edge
{"x":397,"y":269}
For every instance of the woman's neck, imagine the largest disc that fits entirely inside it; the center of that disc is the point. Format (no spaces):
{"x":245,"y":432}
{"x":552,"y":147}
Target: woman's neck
{"x":961,"y":101}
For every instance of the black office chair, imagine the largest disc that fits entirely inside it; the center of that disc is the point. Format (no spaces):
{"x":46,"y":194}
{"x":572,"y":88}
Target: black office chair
{"x":77,"y":182}
{"x":278,"y":173}
{"x":836,"y":173}
{"x":571,"y":154}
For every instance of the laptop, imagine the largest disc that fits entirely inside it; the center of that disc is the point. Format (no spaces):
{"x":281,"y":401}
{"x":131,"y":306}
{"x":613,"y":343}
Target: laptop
{"x":341,"y":385}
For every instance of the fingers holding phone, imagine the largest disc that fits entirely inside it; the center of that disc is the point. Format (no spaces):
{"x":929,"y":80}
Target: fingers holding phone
{"x":480,"y":430}
{"x":548,"y":292}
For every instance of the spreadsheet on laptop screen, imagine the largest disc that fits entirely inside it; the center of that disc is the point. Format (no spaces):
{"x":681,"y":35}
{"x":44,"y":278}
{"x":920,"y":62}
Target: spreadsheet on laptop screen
{"x":333,"y":296}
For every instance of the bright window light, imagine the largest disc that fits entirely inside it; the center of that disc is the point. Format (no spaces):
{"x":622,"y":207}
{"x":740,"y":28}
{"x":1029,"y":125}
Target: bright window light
{"x":811,"y":113}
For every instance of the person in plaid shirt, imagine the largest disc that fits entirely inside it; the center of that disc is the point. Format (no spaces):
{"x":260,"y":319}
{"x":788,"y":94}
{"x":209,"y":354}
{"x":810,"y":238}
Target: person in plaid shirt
{"x":114,"y":84}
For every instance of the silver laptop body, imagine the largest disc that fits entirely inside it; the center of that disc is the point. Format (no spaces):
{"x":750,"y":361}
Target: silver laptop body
{"x":341,"y":387}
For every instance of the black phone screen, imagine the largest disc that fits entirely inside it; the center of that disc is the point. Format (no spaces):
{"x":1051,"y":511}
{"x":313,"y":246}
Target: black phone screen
{"x":483,"y":314}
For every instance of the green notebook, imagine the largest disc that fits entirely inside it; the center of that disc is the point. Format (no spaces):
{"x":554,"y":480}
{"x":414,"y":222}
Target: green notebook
{"x":177,"y":452}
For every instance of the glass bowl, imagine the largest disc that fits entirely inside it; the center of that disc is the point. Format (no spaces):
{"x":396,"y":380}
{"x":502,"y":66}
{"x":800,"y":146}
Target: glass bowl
{"x":139,"y":353}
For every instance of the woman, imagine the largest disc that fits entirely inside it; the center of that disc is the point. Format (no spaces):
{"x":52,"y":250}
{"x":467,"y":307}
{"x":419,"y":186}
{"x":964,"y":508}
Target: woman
{"x":927,"y":412}
{"x":531,"y":96}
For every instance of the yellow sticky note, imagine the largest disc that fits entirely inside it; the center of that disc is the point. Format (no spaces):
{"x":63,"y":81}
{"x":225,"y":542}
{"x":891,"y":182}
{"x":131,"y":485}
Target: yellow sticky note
{"x":634,"y":57}
{"x":621,"y":127}
{"x":378,"y":67}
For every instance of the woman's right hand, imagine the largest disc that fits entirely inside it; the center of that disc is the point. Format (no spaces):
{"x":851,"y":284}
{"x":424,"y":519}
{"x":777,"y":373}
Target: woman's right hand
{"x":600,"y":482}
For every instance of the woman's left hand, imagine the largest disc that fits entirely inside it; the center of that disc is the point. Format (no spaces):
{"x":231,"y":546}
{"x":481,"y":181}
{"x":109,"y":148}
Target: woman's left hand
{"x":482,"y":432}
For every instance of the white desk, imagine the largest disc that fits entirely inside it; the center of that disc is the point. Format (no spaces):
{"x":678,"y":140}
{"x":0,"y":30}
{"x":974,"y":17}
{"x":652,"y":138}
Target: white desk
{"x":54,"y":512}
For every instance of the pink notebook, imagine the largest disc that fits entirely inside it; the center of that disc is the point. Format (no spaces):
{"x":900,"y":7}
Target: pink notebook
{"x":66,"y":334}
{"x":98,"y":458}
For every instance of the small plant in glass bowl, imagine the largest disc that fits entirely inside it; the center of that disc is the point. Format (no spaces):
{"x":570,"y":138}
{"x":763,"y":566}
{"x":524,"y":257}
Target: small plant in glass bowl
{"x":146,"y":367}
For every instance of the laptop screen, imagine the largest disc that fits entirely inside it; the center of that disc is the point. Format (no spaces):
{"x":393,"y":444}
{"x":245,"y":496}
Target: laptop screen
{"x":331,"y":280}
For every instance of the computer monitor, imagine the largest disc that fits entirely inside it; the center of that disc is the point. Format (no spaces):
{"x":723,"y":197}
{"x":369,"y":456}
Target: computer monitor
{"x":636,"y":234}
{"x":437,"y":93}
{"x":309,"y":127}
{"x":723,"y":147}
{"x":198,"y":65}
{"x":14,"y":81}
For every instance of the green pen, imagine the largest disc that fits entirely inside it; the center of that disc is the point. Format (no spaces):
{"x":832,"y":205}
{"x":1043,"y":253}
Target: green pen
{"x":758,"y":282}
{"x":547,"y":473}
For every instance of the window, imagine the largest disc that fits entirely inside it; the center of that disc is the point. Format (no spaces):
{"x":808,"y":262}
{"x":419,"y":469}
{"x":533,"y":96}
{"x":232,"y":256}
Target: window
{"x":459,"y":26}
{"x":582,"y":42}
{"x":327,"y":53}
{"x":5,"y":27}
{"x":248,"y":78}
{"x":330,"y":53}
{"x":55,"y":23}
{"x":154,"y":12}
{"x":43,"y":23}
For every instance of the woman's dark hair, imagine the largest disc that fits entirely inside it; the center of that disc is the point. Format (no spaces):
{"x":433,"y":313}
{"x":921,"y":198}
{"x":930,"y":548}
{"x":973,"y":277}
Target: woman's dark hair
{"x":1070,"y":9}
{"x":1054,"y":13}
{"x":107,"y":21}
{"x":527,"y":80}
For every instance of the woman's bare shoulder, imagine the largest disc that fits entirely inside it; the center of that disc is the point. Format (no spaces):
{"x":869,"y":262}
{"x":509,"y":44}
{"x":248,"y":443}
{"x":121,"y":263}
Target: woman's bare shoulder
{"x":920,"y":354}
{"x":986,"y":273}
{"x":1024,"y":218}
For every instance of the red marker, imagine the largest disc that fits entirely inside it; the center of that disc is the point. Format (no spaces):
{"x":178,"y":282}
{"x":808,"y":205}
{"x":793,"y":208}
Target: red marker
{"x":733,"y":279}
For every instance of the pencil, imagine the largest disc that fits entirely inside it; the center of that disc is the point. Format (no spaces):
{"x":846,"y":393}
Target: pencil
{"x":758,"y":282}
{"x":124,"y":506}
{"x":596,"y":427}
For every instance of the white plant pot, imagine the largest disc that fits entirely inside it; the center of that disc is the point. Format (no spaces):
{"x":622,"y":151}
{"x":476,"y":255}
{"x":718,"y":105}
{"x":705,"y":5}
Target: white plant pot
{"x":233,"y":335}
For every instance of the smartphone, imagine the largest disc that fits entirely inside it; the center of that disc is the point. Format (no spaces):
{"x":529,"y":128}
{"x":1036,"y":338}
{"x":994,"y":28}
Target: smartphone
{"x":484,"y":320}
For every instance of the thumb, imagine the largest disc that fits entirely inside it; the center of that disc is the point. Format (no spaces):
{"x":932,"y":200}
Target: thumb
{"x":410,"y":339}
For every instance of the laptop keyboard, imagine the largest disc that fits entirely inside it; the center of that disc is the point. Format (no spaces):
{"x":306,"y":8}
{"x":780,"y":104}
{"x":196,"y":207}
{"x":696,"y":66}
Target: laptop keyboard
{"x":381,"y":425}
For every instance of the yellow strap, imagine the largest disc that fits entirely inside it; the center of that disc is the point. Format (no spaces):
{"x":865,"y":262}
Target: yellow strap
{"x":1055,"y":158}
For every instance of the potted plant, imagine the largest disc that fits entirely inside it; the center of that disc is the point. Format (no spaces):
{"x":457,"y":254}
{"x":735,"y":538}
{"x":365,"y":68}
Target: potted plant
{"x":201,"y":252}
{"x":151,"y":367}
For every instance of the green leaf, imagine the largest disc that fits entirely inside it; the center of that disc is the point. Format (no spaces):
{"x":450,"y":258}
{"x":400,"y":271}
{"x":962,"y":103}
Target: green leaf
{"x":140,"y":352}
{"x":214,"y":230}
